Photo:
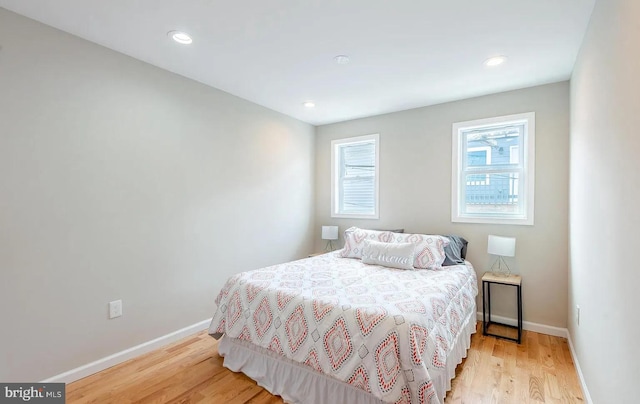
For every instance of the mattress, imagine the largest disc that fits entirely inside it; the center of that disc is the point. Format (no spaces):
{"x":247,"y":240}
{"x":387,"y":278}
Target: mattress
{"x":390,"y":335}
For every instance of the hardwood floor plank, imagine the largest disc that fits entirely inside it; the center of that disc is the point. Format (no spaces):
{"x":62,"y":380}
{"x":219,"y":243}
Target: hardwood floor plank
{"x":506,"y":391}
{"x":521,"y":385}
{"x":536,"y":389}
{"x":554,"y":392}
{"x":540,"y":370}
{"x":264,"y":397}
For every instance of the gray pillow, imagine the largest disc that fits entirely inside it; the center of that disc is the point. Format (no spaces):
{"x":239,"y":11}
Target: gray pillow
{"x":392,"y":231}
{"x":456,"y":251}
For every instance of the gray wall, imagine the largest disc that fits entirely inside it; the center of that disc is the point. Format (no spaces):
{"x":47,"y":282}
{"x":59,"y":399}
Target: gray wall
{"x":123,"y":181}
{"x":605,"y":196}
{"x":415,"y":188}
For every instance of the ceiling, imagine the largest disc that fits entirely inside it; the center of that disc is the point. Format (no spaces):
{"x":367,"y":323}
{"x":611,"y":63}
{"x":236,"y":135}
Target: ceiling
{"x":280,"y":53}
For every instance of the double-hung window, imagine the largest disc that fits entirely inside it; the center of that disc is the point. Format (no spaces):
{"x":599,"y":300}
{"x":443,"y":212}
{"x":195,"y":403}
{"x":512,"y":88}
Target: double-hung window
{"x":354,"y":176}
{"x":493,"y":163}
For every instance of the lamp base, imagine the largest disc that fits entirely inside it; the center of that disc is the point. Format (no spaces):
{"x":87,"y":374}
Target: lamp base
{"x":500,"y":271}
{"x":329,"y":246}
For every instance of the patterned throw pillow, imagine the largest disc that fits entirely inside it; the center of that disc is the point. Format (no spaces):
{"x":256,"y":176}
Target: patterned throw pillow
{"x":392,"y":255}
{"x":354,"y":240}
{"x":429,"y":249}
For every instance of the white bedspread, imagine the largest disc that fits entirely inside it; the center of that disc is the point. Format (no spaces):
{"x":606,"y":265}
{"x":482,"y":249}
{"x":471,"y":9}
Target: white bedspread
{"x":385,"y":331}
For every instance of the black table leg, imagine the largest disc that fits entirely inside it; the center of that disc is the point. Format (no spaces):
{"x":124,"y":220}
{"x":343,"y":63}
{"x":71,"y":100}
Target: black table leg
{"x":489,"y":303}
{"x":484,"y":311}
{"x":519,"y":313}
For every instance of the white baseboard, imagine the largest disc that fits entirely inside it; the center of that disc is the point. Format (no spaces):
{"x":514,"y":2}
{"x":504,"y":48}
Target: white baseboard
{"x":122,"y":356}
{"x":529,"y":326}
{"x":583,"y":384}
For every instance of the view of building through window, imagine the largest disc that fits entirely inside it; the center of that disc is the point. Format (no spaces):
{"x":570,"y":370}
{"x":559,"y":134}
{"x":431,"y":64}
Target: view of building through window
{"x":493,"y":163}
{"x":488,"y":150}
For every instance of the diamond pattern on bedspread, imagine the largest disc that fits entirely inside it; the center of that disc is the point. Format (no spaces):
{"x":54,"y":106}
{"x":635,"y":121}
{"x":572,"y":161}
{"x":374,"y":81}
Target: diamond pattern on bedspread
{"x":418,"y":339}
{"x":426,"y":392}
{"x":337,"y":344}
{"x":360,"y":379}
{"x":382,"y":330}
{"x":296,"y":328}
{"x":388,"y":362}
{"x":262,"y":317}
{"x":369,"y":317}
{"x":275,"y":345}
{"x":312,"y":360}
{"x":321,"y":308}
{"x":405,"y":396}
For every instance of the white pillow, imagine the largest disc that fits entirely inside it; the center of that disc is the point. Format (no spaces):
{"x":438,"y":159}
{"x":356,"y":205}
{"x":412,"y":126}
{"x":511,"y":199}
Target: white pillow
{"x":392,"y":255}
{"x":429,"y":249}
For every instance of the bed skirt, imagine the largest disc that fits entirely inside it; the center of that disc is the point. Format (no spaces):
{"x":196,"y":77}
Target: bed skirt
{"x":297,"y":383}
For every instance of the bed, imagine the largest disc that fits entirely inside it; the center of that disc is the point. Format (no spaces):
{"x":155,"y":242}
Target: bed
{"x":333,"y":329}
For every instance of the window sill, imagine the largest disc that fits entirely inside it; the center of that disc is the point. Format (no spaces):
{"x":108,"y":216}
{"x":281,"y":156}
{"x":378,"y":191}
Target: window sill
{"x":493,"y":220}
{"x":354,"y":216}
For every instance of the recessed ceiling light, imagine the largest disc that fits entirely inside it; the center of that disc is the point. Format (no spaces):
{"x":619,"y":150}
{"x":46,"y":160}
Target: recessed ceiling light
{"x":495,"y":61}
{"x":180,"y":37}
{"x":309,"y":104}
{"x":341,"y":59}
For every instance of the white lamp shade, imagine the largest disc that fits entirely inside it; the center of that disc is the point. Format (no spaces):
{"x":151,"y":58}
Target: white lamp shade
{"x":503,"y":246}
{"x":329,"y":232}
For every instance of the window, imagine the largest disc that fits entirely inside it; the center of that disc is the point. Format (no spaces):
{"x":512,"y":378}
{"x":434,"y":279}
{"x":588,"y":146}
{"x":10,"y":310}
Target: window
{"x":493,"y":162}
{"x":354,"y":175}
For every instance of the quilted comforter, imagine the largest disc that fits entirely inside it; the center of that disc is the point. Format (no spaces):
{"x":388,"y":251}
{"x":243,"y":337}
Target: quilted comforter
{"x":379,"y":329}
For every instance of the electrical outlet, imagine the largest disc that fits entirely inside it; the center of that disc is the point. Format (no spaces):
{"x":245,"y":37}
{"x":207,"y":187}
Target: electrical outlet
{"x":577,"y":314}
{"x":115,"y":308}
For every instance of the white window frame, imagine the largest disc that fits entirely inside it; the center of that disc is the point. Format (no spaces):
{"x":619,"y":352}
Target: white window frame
{"x":514,"y":188}
{"x":335,"y":181}
{"x":527,"y":156}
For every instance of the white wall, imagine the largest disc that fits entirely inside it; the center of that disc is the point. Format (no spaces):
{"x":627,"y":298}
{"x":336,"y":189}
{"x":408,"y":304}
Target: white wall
{"x":415,"y":189}
{"x":123,"y":181}
{"x":605,"y":196}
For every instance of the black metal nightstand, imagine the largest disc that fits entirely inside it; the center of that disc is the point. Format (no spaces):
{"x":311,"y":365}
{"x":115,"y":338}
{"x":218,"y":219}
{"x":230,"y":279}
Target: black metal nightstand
{"x":511,"y":280}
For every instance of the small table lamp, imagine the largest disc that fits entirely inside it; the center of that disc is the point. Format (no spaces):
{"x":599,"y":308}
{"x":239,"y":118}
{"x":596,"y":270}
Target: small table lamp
{"x":502,"y":247}
{"x":329,"y":233}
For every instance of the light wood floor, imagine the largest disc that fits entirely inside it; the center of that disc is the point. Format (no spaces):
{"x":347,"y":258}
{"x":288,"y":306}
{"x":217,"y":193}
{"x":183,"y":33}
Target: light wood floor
{"x":540,"y":370}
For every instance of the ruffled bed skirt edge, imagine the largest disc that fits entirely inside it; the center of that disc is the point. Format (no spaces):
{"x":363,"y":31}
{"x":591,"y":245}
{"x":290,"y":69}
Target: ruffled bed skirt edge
{"x":281,"y":376}
{"x":442,"y":381}
{"x":297,"y":383}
